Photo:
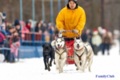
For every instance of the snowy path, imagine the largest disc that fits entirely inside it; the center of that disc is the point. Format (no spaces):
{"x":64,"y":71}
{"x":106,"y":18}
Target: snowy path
{"x":33,"y":69}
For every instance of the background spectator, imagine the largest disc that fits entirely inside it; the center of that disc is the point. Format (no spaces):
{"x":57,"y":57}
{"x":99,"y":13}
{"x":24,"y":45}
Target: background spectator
{"x":106,"y":42}
{"x":96,"y":41}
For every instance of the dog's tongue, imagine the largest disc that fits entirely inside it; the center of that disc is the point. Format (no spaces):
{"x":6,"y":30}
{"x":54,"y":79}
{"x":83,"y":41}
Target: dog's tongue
{"x":59,"y":47}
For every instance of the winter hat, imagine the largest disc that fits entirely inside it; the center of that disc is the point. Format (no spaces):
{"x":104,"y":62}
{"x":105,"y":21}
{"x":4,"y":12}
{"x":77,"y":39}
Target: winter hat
{"x":73,"y":0}
{"x":16,"y":22}
{"x":95,"y":32}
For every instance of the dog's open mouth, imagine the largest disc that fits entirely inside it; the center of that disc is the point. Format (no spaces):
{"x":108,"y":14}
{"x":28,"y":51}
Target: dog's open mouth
{"x":79,"y":49}
{"x":59,"y":47}
{"x":78,"y":46}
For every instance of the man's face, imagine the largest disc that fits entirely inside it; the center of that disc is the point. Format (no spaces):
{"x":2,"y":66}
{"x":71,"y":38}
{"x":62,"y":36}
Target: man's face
{"x":72,"y":5}
{"x":18,"y":27}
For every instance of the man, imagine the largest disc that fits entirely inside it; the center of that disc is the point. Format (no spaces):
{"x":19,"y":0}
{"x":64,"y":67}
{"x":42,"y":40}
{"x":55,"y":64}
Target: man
{"x":71,"y":17}
{"x":70,"y":22}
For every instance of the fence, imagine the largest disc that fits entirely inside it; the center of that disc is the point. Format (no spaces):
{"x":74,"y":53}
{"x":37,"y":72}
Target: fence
{"x":32,"y":39}
{"x":30,"y":45}
{"x":32,"y":9}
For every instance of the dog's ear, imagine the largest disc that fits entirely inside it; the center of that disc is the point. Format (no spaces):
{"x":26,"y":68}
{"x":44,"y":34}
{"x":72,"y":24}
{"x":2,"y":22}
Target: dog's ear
{"x":74,"y":38}
{"x":80,"y":39}
{"x":60,"y":35}
{"x":62,"y":39}
{"x":53,"y":43}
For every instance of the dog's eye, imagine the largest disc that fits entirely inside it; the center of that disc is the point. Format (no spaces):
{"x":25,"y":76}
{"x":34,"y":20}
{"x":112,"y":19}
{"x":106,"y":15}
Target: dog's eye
{"x":61,"y":40}
{"x":75,"y":41}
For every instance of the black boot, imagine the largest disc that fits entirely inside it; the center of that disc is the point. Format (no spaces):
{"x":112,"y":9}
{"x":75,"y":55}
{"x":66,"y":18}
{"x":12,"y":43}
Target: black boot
{"x":12,"y":58}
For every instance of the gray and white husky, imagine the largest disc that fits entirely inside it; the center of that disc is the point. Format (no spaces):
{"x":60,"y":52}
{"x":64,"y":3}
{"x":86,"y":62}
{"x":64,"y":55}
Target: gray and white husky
{"x":83,"y":54}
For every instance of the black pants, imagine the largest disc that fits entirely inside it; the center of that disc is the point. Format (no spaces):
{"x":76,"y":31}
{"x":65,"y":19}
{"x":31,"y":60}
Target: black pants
{"x":95,"y":49}
{"x":105,"y":46}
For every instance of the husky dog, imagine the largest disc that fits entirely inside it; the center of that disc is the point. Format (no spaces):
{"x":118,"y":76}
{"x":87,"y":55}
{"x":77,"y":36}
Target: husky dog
{"x":83,"y":54}
{"x":60,"y":53}
{"x":48,"y":53}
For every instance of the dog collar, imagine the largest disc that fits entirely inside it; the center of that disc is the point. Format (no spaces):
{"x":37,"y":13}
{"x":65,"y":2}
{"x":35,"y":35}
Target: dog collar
{"x":79,"y":49}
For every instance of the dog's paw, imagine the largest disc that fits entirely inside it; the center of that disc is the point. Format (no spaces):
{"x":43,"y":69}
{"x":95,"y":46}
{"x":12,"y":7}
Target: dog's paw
{"x":54,"y":63}
{"x":46,"y":68}
{"x":57,"y":68}
{"x":80,"y":63}
{"x":77,"y":69}
{"x":60,"y":71}
{"x":89,"y":70}
{"x":49,"y":69}
{"x":50,"y":65}
{"x":83,"y":70}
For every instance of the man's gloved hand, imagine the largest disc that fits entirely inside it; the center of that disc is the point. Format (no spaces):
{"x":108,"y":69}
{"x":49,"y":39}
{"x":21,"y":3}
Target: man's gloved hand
{"x":75,"y":31}
{"x":62,"y":31}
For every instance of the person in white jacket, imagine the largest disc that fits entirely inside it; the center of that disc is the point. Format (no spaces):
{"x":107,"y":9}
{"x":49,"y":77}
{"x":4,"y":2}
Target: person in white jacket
{"x":96,"y":41}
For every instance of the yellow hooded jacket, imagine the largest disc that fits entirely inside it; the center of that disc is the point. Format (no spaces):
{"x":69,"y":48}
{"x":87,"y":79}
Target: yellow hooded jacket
{"x":68,"y":19}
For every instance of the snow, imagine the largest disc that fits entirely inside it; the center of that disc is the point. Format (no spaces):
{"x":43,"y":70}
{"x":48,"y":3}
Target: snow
{"x":103,"y":68}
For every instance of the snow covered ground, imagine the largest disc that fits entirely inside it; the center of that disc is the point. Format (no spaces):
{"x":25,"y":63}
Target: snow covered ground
{"x":103,"y":68}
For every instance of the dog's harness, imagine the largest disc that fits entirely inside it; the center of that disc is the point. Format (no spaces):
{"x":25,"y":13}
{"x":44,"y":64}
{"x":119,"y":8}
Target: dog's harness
{"x":60,"y":54}
{"x":82,"y":53}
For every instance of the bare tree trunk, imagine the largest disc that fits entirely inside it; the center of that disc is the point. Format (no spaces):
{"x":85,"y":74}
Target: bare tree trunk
{"x":102,"y":13}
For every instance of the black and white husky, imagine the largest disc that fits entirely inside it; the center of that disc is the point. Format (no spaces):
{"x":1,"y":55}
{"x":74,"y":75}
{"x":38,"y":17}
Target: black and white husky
{"x":60,"y":53}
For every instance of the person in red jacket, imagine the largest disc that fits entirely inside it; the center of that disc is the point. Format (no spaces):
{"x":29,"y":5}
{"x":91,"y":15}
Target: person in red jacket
{"x":28,"y":25}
